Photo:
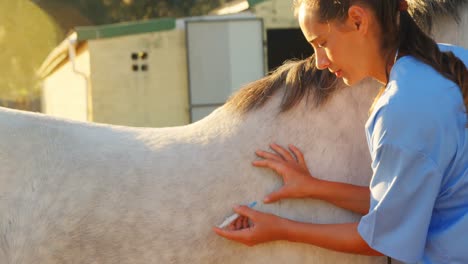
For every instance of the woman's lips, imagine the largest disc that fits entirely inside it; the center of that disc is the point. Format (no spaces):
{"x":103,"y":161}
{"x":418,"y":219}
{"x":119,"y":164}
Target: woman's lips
{"x":339,"y":73}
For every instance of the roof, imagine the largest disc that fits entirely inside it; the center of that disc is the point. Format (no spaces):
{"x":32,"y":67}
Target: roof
{"x":123,"y":29}
{"x":59,"y":55}
{"x":236,"y":6}
{"x":255,"y":2}
{"x":79,"y":37}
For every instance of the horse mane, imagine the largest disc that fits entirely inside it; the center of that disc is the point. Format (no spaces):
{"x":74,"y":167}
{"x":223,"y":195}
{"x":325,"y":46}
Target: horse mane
{"x":425,"y":11}
{"x":297,"y":78}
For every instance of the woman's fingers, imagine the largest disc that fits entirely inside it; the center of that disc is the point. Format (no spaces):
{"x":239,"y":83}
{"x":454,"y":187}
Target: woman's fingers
{"x":239,"y":230}
{"x":297,"y":153}
{"x":272,"y":164}
{"x":275,"y":196}
{"x":283,"y":152}
{"x":239,"y":221}
{"x":232,"y":225}
{"x":263,"y":227}
{"x":273,"y":160}
{"x":245,"y":211}
{"x":241,"y":236}
{"x":268,"y":155}
{"x":246,"y":222}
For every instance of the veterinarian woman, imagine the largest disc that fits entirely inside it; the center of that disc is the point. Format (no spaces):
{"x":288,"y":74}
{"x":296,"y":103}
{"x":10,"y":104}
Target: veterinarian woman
{"x":417,"y":134}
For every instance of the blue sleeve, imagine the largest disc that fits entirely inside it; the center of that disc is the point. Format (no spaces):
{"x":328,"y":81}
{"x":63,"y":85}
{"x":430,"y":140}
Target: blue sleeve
{"x":403,"y":189}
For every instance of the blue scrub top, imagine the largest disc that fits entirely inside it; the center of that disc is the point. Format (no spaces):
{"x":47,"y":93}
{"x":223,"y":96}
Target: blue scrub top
{"x":418,"y":141}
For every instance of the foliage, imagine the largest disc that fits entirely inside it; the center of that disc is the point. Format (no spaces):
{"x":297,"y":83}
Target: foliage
{"x":111,"y":11}
{"x":27,"y":35}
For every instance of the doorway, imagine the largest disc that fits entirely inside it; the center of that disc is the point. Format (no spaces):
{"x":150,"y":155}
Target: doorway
{"x":286,"y":44}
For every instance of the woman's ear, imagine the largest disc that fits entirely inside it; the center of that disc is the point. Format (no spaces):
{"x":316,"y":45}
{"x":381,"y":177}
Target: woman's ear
{"x":358,"y":17}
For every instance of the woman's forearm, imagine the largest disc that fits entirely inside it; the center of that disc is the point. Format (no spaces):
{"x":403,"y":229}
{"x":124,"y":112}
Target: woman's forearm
{"x":351,"y":197}
{"x":337,"y":237}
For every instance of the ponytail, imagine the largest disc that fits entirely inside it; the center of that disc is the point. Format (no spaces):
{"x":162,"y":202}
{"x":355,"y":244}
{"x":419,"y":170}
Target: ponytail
{"x":413,"y":41}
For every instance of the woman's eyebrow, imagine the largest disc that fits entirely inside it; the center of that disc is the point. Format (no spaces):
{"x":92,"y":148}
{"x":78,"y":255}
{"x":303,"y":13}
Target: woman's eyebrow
{"x":314,"y":39}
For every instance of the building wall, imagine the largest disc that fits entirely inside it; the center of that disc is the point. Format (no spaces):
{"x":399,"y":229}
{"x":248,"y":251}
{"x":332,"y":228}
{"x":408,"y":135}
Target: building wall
{"x":276,"y":14}
{"x":224,"y":55}
{"x":157,"y":97}
{"x":64,"y":92}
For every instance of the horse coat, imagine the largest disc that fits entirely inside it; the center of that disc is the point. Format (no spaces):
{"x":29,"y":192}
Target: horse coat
{"x":74,"y":192}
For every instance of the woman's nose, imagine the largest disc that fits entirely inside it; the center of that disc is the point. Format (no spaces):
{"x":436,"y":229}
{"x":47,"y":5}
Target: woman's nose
{"x":321,"y":60}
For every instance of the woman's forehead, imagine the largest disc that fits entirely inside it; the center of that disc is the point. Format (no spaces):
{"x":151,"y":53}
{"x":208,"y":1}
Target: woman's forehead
{"x":309,"y":23}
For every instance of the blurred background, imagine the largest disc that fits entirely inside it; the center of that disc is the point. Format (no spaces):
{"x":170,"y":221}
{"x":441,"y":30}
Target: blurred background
{"x":150,"y":63}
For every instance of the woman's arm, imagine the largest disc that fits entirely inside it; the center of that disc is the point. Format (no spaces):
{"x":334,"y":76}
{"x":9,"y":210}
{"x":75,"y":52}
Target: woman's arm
{"x":337,"y":237}
{"x":351,"y":197}
{"x":299,"y":183}
{"x":267,"y":227}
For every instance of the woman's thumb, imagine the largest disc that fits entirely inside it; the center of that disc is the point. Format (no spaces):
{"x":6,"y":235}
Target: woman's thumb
{"x":274,"y":196}
{"x":245,"y":211}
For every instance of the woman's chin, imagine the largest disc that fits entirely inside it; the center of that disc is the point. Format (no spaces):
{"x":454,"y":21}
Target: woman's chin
{"x":351,"y":81}
{"x":348,"y":81}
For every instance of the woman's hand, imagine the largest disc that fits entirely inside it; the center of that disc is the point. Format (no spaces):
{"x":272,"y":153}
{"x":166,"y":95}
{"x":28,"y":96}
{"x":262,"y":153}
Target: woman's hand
{"x":262,"y":227}
{"x":291,"y":166}
{"x":266,"y":227}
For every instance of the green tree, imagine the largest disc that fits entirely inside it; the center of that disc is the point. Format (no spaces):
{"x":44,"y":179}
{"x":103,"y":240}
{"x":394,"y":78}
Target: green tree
{"x":27,"y":34}
{"x":112,"y":11}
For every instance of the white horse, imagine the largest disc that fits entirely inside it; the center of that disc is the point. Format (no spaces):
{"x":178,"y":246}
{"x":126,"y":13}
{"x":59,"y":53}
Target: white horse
{"x":73,"y":192}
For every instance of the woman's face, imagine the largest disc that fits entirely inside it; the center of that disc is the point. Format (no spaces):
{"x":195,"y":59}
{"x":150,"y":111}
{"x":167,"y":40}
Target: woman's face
{"x":338,"y":46}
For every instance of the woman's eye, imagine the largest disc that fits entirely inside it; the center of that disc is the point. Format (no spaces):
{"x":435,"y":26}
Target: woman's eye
{"x":322,"y":45}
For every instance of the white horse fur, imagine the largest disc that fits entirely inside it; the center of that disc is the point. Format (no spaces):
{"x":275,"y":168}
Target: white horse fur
{"x":73,"y":192}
